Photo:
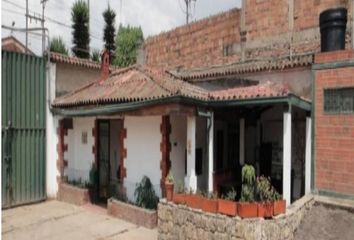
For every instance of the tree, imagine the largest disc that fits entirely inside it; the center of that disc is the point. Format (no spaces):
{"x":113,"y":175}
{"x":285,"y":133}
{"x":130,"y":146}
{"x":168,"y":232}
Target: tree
{"x":127,"y":42}
{"x":109,"y":31}
{"x":81,"y":36}
{"x":57,"y":45}
{"x":95,"y":55}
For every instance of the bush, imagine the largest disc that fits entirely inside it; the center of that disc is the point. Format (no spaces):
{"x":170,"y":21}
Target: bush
{"x":248,"y":179}
{"x":145,"y":194}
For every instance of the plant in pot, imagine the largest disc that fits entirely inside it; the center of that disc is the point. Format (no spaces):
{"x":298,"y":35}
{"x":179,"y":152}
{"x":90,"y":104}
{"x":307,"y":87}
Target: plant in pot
{"x":247,"y":208}
{"x":227,"y":204}
{"x":265,"y":195}
{"x":92,"y":186}
{"x":194,"y":200}
{"x":169,"y":186}
{"x":279,"y":205}
{"x":210,"y":203}
{"x":179,"y":197}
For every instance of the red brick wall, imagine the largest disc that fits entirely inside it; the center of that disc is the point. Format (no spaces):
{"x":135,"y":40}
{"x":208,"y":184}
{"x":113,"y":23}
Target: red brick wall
{"x":334,"y":133}
{"x":202,"y":43}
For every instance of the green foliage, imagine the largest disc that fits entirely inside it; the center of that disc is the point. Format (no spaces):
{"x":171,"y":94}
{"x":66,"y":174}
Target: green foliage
{"x":57,"y":45}
{"x":169,"y":178}
{"x":180,"y":187}
{"x":78,"y":183}
{"x":276,"y":196}
{"x":264,"y":189}
{"x":231,"y":195}
{"x":95,"y":55}
{"x":109,"y":31}
{"x":248,"y":179}
{"x":93,"y":175}
{"x":145,"y":194}
{"x":81,"y":37}
{"x":127,"y":42}
{"x":211,"y":195}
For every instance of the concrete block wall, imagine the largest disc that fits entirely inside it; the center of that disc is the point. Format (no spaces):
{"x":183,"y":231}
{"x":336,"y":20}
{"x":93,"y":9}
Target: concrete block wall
{"x":334,"y":133}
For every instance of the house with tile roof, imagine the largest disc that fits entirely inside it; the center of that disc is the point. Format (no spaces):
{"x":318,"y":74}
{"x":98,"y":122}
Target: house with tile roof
{"x":210,"y":97}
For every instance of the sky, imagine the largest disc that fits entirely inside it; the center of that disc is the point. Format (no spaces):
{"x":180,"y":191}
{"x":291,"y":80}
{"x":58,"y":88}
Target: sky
{"x":154,"y":16}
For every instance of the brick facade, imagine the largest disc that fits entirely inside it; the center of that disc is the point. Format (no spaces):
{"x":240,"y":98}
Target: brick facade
{"x":334,"y":133}
{"x":271,"y":28}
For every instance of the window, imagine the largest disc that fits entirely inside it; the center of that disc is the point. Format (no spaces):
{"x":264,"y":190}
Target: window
{"x":339,"y":100}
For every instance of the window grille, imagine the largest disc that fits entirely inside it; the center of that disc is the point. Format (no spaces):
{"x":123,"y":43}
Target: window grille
{"x":339,"y":100}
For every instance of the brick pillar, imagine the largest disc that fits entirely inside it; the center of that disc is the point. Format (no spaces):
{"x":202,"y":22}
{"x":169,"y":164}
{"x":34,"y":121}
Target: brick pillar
{"x":165,"y":148}
{"x":61,"y":148}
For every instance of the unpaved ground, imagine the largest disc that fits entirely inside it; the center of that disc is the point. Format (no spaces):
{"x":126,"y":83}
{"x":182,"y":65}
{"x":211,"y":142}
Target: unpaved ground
{"x":326,"y":223}
{"x":58,"y":220}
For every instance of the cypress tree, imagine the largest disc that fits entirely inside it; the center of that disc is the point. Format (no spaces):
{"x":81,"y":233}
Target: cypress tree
{"x":81,"y":36}
{"x":109,"y":31}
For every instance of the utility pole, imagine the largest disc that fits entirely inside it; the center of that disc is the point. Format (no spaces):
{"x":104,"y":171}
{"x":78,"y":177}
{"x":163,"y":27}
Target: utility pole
{"x":43,"y":2}
{"x":26,"y":25}
{"x":188,"y":9}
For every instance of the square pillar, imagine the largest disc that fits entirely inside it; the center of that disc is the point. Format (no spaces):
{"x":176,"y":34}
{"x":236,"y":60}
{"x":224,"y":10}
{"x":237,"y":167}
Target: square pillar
{"x":242,"y":141}
{"x":191,"y":178}
{"x":287,"y":156}
{"x":308,"y":156}
{"x":211,"y":152}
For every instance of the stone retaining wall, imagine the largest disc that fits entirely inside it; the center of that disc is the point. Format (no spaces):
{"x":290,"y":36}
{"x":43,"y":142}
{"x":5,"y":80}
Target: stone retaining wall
{"x":139,"y":216}
{"x":182,"y":222}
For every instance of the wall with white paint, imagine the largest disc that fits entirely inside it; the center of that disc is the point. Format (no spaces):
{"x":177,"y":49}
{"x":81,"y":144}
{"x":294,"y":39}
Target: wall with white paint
{"x":79,"y":154}
{"x":51,"y":138}
{"x":178,"y":139}
{"x":143,"y":152}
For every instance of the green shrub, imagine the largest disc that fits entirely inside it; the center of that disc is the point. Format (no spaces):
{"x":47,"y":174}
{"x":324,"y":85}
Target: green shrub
{"x":145,"y":194}
{"x":248,"y":179}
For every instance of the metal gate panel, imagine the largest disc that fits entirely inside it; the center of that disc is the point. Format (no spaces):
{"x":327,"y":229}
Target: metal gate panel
{"x":23,"y":129}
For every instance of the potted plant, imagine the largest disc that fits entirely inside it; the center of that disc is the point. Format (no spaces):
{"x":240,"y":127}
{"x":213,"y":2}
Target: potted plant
{"x":210,"y":203}
{"x":265,"y":195}
{"x":194,"y":200}
{"x":279,"y":205}
{"x":169,"y":186}
{"x":247,"y":208}
{"x":227,"y":204}
{"x":92,"y":185}
{"x":179,"y":197}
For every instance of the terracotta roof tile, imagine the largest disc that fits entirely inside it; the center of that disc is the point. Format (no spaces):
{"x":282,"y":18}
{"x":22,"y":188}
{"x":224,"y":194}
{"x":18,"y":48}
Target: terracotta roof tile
{"x":138,"y":83}
{"x":61,"y":58}
{"x":245,"y":67}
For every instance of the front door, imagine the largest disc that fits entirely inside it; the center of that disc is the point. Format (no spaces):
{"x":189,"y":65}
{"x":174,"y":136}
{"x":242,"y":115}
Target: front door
{"x":103,"y":159}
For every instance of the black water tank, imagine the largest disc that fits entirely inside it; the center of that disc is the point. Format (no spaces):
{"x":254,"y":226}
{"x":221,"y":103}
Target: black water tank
{"x":333,"y":23}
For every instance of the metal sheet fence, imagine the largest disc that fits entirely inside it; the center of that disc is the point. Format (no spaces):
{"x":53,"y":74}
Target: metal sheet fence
{"x":23,"y":128}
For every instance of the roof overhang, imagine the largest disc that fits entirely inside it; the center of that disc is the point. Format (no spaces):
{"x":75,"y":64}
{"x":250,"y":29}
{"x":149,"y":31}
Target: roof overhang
{"x":121,"y":108}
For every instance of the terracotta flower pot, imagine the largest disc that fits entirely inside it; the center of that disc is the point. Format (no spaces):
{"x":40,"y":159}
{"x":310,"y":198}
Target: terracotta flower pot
{"x":247,"y":210}
{"x":169,"y":191}
{"x":194,"y":201}
{"x":210,"y":205}
{"x":265,"y":209}
{"x":279,"y":207}
{"x":179,"y":198}
{"x":227,"y":207}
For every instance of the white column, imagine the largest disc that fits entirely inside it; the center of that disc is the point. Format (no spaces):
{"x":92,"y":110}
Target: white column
{"x":287,"y":157}
{"x":242,"y":141}
{"x":191,"y":178}
{"x":211,"y":152}
{"x":308,"y":156}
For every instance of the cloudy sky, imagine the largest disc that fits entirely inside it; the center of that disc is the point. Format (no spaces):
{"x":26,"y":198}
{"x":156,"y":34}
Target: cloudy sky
{"x":154,"y":16}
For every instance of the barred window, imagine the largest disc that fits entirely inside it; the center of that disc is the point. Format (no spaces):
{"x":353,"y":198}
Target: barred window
{"x":339,"y":100}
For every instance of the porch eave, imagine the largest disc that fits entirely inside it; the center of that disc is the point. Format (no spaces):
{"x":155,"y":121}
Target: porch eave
{"x":112,"y":109}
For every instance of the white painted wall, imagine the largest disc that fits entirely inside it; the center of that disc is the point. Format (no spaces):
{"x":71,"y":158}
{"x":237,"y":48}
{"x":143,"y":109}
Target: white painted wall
{"x":143,"y":152}
{"x":51,"y":138}
{"x":178,"y":139}
{"x":79,"y":155}
{"x":201,"y":138}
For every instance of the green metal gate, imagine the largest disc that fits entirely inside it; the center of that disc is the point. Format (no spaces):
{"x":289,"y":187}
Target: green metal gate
{"x":23,"y":98}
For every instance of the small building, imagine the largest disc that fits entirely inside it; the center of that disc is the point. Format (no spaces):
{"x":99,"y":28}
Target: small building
{"x":141,"y":121}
